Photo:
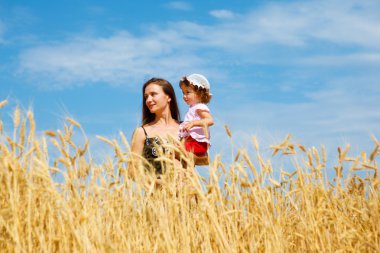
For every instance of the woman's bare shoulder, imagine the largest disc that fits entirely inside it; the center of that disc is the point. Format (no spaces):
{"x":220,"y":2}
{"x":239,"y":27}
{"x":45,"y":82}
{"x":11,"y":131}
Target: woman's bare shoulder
{"x":138,"y":133}
{"x":138,"y":138}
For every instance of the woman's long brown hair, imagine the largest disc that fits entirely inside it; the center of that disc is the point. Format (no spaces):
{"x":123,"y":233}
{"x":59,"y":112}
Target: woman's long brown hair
{"x":147,"y":116}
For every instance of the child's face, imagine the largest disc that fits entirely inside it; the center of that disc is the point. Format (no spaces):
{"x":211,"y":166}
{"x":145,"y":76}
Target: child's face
{"x":189,"y":95}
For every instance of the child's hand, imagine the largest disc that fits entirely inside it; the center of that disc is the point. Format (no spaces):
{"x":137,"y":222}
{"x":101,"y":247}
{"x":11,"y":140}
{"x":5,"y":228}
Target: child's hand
{"x":187,"y":126}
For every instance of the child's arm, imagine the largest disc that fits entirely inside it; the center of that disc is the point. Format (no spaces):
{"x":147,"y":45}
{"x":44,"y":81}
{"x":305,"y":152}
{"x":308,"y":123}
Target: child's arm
{"x":205,"y":121}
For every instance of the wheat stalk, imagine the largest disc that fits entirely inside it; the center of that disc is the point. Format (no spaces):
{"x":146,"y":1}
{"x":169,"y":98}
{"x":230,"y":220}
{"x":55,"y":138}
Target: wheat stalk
{"x":3,"y":103}
{"x":73,"y":122}
{"x":71,"y":203}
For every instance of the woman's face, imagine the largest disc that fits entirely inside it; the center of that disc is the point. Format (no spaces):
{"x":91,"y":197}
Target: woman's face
{"x":155,"y":98}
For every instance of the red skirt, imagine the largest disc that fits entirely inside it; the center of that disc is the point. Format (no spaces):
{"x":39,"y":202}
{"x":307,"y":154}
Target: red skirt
{"x":198,"y":148}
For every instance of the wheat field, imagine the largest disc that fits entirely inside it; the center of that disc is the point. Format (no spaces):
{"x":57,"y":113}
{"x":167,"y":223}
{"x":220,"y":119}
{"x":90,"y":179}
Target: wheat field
{"x":241,"y":207}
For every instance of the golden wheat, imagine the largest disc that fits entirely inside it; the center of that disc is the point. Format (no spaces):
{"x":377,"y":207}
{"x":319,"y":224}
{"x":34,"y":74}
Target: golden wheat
{"x":73,"y":122}
{"x":3,"y":103}
{"x":65,"y":202}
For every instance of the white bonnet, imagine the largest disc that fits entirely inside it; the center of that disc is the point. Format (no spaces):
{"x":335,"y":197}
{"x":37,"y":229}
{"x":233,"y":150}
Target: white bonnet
{"x":198,"y":80}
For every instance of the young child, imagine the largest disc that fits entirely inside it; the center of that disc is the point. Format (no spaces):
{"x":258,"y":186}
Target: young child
{"x":195,"y":128}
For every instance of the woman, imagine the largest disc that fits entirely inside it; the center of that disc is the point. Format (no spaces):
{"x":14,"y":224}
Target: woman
{"x":160,"y":123}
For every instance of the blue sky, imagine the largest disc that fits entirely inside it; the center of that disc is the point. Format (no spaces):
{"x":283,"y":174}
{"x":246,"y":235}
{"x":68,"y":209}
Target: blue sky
{"x":309,"y":68}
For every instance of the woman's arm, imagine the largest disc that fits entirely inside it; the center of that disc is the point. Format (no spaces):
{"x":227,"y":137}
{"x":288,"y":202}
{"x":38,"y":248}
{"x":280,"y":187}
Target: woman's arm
{"x":137,"y":147}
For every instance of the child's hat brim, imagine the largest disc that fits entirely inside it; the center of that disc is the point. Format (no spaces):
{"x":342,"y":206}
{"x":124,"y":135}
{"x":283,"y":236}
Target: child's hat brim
{"x":198,"y":80}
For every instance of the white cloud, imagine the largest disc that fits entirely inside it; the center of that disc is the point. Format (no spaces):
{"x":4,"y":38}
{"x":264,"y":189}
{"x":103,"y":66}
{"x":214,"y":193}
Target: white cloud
{"x":222,"y":14}
{"x":119,"y":59}
{"x":178,"y":5}
{"x":342,"y":60}
{"x":303,"y":24}
{"x":306,"y":29}
{"x":349,"y":23}
{"x":345,"y":110}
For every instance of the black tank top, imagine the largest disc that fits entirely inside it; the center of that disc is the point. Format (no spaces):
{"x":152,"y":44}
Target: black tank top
{"x":151,"y":152}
